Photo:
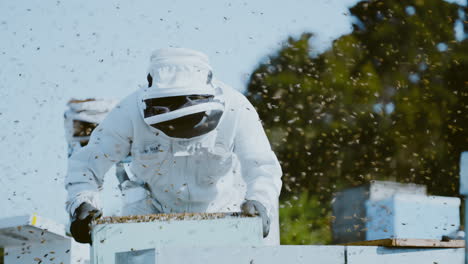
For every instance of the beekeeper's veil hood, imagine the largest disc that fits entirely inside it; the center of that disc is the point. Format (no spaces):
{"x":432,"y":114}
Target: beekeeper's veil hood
{"x":181,"y":100}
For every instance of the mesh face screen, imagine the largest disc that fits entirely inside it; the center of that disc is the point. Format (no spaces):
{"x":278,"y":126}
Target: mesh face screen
{"x":164,"y":105}
{"x":190,"y":126}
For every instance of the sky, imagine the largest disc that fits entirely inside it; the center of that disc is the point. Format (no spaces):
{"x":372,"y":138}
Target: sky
{"x":52,"y":51}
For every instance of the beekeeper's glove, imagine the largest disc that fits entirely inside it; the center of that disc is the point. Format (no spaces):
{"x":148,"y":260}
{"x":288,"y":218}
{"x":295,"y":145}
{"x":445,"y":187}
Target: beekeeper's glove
{"x":81,"y":220}
{"x":253,"y":208}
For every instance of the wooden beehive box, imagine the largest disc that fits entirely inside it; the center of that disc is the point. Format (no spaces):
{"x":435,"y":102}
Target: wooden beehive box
{"x":115,"y":238}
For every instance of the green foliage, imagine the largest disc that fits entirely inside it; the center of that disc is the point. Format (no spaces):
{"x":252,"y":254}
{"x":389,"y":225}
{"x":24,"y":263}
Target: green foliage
{"x":385,"y":102}
{"x":300,"y":224}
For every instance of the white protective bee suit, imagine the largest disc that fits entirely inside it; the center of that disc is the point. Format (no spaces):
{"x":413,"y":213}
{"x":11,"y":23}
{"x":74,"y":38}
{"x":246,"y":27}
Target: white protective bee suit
{"x":215,"y":172}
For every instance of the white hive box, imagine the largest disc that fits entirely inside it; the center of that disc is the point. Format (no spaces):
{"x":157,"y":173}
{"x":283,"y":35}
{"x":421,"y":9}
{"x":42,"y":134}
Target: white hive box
{"x":464,"y":173}
{"x":118,"y":239}
{"x":349,"y":207}
{"x":412,"y":216}
{"x":33,"y":239}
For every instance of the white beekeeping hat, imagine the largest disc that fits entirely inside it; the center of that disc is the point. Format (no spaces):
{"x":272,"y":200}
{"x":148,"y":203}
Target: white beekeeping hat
{"x":181,"y":100}
{"x":179,"y":71}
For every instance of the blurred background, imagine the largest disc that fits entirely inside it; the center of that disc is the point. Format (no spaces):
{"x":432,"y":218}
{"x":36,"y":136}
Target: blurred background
{"x":348,"y":91}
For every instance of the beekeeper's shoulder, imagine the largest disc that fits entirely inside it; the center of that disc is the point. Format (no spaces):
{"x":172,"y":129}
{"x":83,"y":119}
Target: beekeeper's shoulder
{"x":128,"y":106}
{"x":234,"y":98}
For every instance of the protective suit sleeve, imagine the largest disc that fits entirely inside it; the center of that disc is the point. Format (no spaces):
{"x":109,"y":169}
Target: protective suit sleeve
{"x":109,"y":143}
{"x":260,"y":167}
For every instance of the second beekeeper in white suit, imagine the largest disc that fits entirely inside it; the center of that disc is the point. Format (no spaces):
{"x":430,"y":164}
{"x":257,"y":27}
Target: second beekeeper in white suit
{"x":197,"y":144}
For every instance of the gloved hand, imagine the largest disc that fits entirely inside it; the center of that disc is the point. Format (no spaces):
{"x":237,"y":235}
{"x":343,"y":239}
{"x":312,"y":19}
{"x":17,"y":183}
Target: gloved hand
{"x":253,"y":208}
{"x":81,"y":220}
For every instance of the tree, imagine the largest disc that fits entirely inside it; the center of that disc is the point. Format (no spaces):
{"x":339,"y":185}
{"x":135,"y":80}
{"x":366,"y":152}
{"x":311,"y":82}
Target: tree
{"x":388,"y":101}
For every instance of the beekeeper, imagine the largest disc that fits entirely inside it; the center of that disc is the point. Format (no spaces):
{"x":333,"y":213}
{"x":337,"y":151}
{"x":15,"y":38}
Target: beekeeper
{"x":197,"y":144}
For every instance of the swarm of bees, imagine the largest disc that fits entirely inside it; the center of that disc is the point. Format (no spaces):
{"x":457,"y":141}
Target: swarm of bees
{"x":163,"y":217}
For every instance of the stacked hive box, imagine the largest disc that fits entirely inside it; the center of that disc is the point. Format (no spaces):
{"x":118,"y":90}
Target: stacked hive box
{"x":387,"y":210}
